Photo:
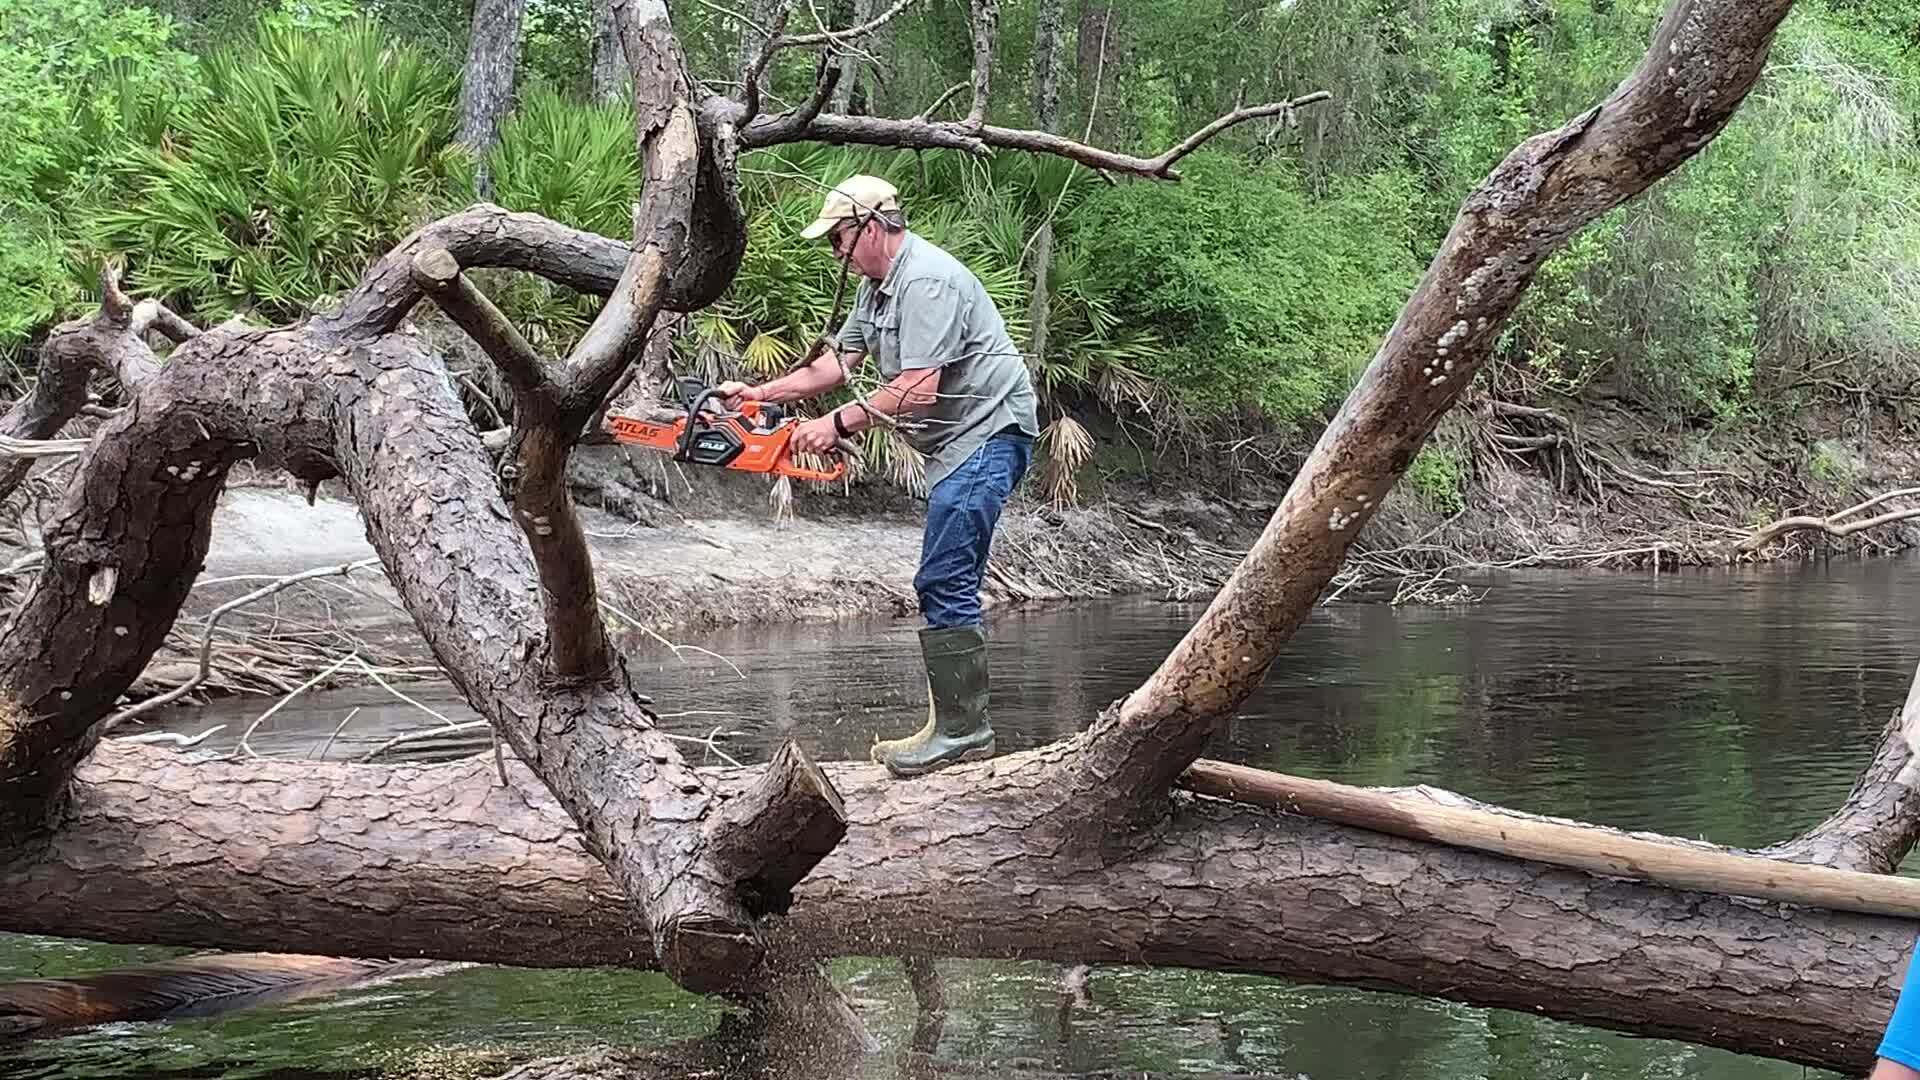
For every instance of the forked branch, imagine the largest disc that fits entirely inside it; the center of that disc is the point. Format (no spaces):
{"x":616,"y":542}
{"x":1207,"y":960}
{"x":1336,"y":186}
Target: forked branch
{"x":922,"y":134}
{"x":1835,"y":524}
{"x":438,"y":272}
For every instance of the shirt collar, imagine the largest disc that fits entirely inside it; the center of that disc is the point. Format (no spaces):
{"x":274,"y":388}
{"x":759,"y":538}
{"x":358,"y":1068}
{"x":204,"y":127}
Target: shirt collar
{"x":888,"y":283}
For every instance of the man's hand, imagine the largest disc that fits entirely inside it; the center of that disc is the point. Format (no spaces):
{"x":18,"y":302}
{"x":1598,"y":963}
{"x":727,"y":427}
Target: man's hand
{"x":734,"y":393}
{"x":815,"y":436}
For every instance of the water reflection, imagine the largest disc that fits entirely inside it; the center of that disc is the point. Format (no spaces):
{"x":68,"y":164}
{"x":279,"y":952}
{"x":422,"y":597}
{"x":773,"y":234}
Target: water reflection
{"x":1735,"y":706}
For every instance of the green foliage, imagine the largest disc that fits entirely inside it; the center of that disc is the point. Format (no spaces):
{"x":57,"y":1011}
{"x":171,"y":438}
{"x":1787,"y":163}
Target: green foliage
{"x":1783,"y":249}
{"x":66,"y":71}
{"x":77,"y":80}
{"x":571,"y":162}
{"x":1438,"y":476}
{"x":1781,"y":263}
{"x":1265,"y":297}
{"x":1832,"y":464}
{"x":311,"y":156}
{"x":556,"y":50}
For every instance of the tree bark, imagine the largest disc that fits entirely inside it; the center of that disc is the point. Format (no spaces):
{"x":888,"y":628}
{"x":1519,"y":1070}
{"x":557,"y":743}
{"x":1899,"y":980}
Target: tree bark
{"x":843,"y":99}
{"x":609,"y":76}
{"x":445,"y":862}
{"x":486,"y":87}
{"x":1047,"y":60}
{"x":380,"y":414}
{"x":110,"y":340}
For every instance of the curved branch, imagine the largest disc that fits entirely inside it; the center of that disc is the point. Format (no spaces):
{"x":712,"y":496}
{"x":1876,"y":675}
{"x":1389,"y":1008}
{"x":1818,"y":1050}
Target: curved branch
{"x":481,"y":236}
{"x":1701,"y":63}
{"x":438,"y":272}
{"x":1836,"y":524}
{"x":1880,"y":821}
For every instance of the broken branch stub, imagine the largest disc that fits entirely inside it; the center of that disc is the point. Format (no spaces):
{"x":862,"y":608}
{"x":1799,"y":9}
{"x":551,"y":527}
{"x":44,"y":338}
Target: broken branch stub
{"x":769,"y":838}
{"x":438,"y":272}
{"x":1701,"y":64}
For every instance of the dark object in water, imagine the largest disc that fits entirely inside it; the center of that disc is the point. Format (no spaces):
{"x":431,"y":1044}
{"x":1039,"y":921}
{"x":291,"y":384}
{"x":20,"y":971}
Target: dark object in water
{"x":188,"y":986}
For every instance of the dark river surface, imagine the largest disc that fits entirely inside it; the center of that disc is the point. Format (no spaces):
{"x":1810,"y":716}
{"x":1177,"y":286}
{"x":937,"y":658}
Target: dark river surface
{"x":1730,"y":705}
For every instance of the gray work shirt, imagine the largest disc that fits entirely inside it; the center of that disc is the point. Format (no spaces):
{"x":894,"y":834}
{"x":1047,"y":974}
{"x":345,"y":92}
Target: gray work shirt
{"x":932,"y":312}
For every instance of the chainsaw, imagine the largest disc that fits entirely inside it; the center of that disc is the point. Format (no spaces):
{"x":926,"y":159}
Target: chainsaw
{"x":753,"y":438}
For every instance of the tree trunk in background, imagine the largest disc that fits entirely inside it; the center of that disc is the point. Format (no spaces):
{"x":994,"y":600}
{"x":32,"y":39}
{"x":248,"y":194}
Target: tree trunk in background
{"x":1097,"y":50}
{"x":751,"y":35}
{"x":851,"y":64}
{"x":609,"y":65}
{"x":486,"y":88}
{"x":1047,"y":60}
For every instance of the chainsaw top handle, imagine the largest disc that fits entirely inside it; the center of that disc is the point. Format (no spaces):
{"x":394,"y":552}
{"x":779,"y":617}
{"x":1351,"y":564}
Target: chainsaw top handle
{"x":694,"y":404}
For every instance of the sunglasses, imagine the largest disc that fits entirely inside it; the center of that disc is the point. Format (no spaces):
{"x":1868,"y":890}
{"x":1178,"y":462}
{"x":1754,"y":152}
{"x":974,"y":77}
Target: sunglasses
{"x":844,"y":232}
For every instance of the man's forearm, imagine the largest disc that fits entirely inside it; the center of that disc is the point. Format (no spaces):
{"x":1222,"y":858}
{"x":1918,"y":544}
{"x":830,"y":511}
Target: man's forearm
{"x":911,"y":392}
{"x":825,"y":372}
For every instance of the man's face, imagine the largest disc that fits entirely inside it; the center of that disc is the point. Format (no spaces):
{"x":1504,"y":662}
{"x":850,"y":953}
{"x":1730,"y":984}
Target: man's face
{"x":845,"y":238}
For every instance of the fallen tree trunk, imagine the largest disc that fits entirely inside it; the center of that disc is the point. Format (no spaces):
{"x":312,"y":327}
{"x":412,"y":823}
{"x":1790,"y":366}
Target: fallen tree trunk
{"x":444,"y":862}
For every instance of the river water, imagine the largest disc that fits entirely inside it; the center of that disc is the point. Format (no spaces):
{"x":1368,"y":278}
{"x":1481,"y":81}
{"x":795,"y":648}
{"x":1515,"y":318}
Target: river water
{"x":1733,"y":705}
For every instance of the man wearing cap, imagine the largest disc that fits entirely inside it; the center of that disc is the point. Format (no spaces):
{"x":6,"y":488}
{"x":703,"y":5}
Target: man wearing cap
{"x":957,"y":389}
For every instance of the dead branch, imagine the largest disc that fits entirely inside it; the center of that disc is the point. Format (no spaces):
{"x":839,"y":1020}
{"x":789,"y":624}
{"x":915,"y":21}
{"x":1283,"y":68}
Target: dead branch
{"x":40,"y":448}
{"x":945,"y":96}
{"x":438,"y":272}
{"x":1581,"y":847}
{"x":852,"y":33}
{"x":213,"y":622}
{"x":916,"y":134}
{"x":750,"y":78}
{"x":1835,"y":524}
{"x":406,"y":737}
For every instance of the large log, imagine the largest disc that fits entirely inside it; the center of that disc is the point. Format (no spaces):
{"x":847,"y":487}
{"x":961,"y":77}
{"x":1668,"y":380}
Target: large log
{"x":445,"y":862}
{"x":133,"y":534}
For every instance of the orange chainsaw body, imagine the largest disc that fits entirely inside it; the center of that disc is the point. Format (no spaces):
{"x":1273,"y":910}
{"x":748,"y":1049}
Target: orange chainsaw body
{"x":755,"y":438}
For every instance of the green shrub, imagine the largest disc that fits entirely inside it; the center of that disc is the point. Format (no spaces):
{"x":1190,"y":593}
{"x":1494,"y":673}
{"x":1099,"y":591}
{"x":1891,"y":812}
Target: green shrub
{"x":69,"y":73}
{"x":311,"y":156}
{"x":1264,"y":296}
{"x":1439,"y":477}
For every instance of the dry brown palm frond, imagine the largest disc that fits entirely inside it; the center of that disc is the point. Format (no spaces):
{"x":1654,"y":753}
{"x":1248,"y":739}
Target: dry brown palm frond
{"x":1067,"y":446}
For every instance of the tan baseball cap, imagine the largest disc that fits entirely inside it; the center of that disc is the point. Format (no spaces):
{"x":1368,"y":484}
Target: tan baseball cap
{"x":852,"y":197}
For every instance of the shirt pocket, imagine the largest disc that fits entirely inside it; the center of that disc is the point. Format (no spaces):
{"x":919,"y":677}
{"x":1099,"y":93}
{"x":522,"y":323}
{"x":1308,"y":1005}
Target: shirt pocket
{"x":885,"y":340}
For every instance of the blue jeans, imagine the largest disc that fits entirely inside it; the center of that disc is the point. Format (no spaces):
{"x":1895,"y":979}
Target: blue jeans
{"x":962,"y":511}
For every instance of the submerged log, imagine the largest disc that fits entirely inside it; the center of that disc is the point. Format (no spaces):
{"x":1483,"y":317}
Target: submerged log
{"x":188,"y":986}
{"x":445,"y":862}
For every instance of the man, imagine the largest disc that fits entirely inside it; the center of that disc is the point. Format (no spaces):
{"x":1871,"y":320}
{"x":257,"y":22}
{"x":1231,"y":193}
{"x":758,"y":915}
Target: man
{"x":957,"y":389}
{"x":1898,"y":1057}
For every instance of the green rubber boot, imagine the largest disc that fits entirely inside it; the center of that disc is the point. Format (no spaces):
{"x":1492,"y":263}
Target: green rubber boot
{"x":957,"y":728}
